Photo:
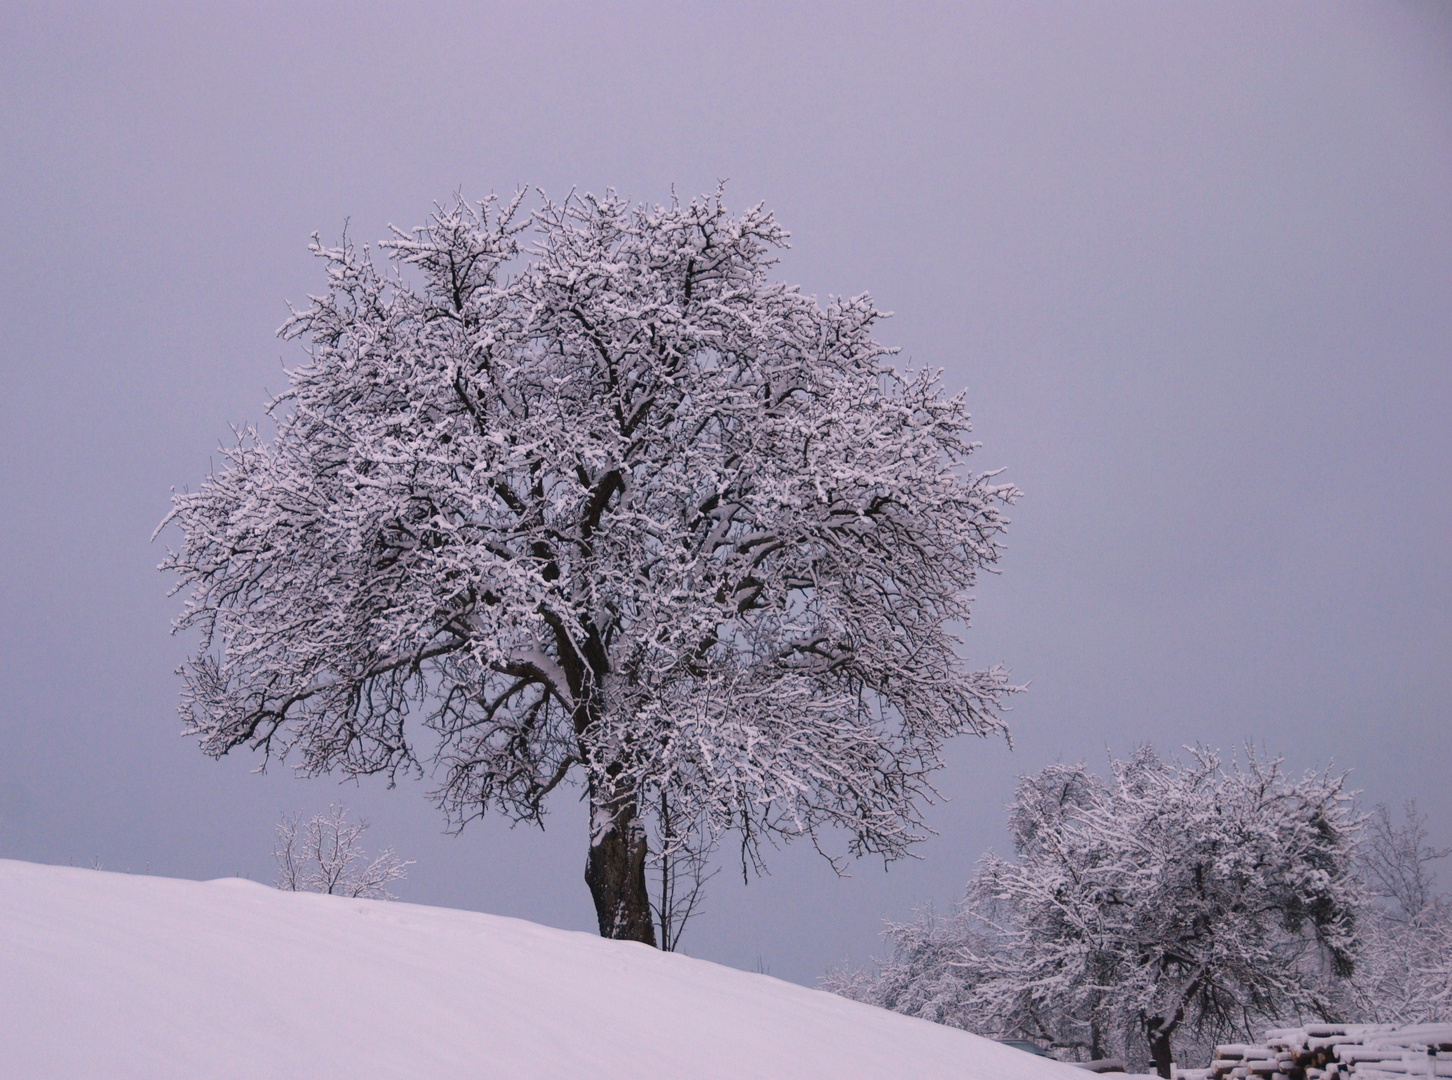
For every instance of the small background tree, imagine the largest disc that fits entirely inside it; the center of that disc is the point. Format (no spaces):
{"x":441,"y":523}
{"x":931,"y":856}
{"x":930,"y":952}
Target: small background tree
{"x":1404,"y":975}
{"x":616,"y":507}
{"x":323,"y":854}
{"x":1173,"y":904}
{"x":680,"y":869}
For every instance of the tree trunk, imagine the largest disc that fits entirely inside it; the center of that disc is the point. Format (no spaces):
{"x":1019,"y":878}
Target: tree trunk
{"x":615,"y":871}
{"x":1159,"y":1032}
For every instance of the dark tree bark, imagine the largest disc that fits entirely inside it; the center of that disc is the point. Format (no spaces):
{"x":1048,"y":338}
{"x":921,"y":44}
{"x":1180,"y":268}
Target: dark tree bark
{"x":615,"y":865}
{"x":615,"y":873}
{"x":1159,"y":1032}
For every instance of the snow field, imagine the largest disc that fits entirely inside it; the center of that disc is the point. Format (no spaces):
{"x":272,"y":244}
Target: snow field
{"x":129,"y":977}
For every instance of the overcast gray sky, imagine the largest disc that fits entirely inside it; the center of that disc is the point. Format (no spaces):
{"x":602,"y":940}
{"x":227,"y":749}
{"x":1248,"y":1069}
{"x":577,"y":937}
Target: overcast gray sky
{"x":1193,"y":264}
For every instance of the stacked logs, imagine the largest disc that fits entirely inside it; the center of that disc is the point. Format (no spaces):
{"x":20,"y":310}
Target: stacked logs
{"x":1327,"y":1051}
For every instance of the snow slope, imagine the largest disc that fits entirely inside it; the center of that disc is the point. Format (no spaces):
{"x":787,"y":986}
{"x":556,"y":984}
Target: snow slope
{"x":122,"y":976}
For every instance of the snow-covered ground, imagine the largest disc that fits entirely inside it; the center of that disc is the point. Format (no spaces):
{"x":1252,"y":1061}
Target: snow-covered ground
{"x":123,"y":976}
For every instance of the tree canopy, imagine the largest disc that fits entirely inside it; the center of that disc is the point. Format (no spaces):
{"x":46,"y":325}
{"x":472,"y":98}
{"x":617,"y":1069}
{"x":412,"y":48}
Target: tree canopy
{"x":1173,"y":901}
{"x":584,"y":493}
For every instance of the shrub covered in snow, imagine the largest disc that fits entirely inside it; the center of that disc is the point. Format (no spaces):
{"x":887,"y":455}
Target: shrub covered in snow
{"x":324,"y":854}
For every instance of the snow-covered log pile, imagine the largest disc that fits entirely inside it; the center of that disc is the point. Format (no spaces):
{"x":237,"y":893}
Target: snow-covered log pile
{"x":1324,"y":1051}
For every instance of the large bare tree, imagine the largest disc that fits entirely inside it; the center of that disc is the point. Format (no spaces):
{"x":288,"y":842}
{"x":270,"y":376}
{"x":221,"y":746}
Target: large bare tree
{"x":584,"y":493}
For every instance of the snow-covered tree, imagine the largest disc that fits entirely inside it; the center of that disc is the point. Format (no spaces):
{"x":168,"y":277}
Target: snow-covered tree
{"x":611,"y":505}
{"x":1404,"y":974}
{"x":1174,"y":899}
{"x":931,"y":971}
{"x":324,"y":854}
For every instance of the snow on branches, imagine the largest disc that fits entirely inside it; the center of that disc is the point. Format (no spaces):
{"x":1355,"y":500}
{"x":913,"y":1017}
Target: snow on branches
{"x":609,"y":503}
{"x":1173,"y":899}
{"x":1404,"y":973}
{"x":323,"y":854}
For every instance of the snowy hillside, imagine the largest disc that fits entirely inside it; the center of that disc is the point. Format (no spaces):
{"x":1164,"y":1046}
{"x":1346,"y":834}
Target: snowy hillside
{"x":126,"y":976}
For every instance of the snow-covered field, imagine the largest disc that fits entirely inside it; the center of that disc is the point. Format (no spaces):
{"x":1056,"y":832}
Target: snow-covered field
{"x":122,"y":976}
